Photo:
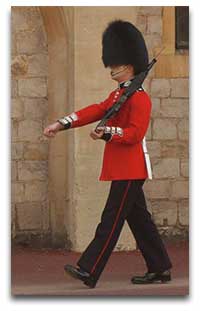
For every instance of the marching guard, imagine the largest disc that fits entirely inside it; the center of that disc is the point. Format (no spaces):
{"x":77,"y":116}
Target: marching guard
{"x":125,"y":163}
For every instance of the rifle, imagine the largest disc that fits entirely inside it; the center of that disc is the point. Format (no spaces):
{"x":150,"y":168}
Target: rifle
{"x":130,"y":90}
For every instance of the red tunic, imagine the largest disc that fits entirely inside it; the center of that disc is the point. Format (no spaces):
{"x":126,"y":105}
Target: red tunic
{"x":123,"y":155}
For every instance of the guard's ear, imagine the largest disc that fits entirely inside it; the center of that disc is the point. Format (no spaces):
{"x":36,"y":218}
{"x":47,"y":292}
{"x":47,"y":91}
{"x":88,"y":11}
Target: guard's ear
{"x":131,"y":69}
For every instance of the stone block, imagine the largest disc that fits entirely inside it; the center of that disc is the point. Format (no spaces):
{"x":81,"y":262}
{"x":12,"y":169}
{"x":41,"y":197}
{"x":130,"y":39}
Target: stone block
{"x":36,"y":191}
{"x":157,"y":189}
{"x":46,"y":216}
{"x":31,"y":41}
{"x":142,"y":23}
{"x":150,"y":10}
{"x":160,"y":88}
{"x":32,"y":170}
{"x":14,"y":88}
{"x":38,"y":65}
{"x":174,"y":108}
{"x":154,"y":25}
{"x":17,"y":150}
{"x":13,"y":221}
{"x":155,"y":111}
{"x":29,"y":216}
{"x":164,"y":129}
{"x":185,"y":168}
{"x":175,"y":149}
{"x":17,"y":108}
{"x":25,"y":18}
{"x":164,"y":213}
{"x":33,"y":87}
{"x":19,"y":65}
{"x":180,"y":189}
{"x":36,"y":151}
{"x":154,"y":149}
{"x":183,"y":129}
{"x":35,"y":108}
{"x":13,"y":170}
{"x":166,"y":168}
{"x":152,"y":41}
{"x":14,"y":130}
{"x":17,"y":192}
{"x":30,"y":130}
{"x":183,"y":213}
{"x":180,"y":87}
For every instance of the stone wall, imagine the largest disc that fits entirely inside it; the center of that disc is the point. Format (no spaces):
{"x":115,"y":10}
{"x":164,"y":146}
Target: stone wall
{"x":29,"y":153}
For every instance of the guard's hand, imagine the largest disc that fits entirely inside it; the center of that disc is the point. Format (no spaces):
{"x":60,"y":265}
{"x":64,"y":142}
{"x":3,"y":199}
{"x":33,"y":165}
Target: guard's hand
{"x":98,"y":133}
{"x":52,"y":129}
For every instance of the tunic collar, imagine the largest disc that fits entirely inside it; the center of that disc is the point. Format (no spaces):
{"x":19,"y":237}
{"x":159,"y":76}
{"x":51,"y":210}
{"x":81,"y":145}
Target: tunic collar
{"x":125,"y":83}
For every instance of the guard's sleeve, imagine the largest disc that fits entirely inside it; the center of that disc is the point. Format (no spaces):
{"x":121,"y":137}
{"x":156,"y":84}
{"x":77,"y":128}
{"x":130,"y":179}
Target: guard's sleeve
{"x":88,"y":114}
{"x":140,"y":112}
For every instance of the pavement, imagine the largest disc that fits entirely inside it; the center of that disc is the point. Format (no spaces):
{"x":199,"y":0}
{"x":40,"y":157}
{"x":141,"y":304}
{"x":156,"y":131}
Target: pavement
{"x":40,"y":273}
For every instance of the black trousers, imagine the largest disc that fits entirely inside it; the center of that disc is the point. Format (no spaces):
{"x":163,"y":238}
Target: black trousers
{"x":126,"y":201}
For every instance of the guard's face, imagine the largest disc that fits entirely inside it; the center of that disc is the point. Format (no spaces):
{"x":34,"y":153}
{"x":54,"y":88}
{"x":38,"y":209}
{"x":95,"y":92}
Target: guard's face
{"x":117,"y":71}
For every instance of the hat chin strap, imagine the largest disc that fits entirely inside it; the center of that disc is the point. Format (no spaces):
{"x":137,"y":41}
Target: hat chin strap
{"x":113,"y":74}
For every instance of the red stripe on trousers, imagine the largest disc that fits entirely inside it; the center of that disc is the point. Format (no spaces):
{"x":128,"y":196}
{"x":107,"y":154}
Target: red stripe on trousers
{"x":113,"y":228}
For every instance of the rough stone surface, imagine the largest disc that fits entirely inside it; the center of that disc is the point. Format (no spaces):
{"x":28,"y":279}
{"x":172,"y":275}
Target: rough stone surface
{"x":160,"y":88}
{"x":35,"y":108}
{"x":164,"y":129}
{"x":154,"y":25}
{"x":30,"y":130}
{"x":36,"y":151}
{"x":17,"y":192}
{"x":17,"y":108}
{"x":33,"y":87}
{"x":174,"y":108}
{"x":166,"y":168}
{"x":36,"y":191}
{"x":154,"y":148}
{"x":183,"y":129}
{"x":175,"y":149}
{"x":185,"y":168}
{"x":155,"y":111}
{"x":38,"y":65}
{"x":150,"y":10}
{"x":19,"y":65}
{"x":184,"y":213}
{"x":180,"y":189}
{"x":32,"y":170}
{"x":13,"y":170}
{"x":159,"y":189}
{"x":31,"y":41}
{"x":29,"y":216}
{"x":14,"y":88}
{"x":165,"y":213}
{"x":17,"y":150}
{"x":180,"y":88}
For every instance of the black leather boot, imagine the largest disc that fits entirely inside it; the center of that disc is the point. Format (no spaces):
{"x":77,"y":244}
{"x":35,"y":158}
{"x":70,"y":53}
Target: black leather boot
{"x":78,"y":273}
{"x":152,"y":277}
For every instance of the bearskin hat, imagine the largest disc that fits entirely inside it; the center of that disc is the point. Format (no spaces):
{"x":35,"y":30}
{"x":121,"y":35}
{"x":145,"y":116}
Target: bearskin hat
{"x":123,"y":44}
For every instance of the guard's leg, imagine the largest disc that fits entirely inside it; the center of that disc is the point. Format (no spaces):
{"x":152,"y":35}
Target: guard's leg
{"x":120,"y":199}
{"x":147,"y":236}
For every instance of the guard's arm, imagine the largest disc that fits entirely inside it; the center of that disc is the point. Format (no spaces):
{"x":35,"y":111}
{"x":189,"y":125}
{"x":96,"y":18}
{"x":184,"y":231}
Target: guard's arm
{"x":87,"y":115}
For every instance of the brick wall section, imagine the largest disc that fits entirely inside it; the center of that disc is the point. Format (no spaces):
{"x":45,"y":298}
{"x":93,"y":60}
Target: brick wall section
{"x":29,"y":151}
{"x":167,"y":138}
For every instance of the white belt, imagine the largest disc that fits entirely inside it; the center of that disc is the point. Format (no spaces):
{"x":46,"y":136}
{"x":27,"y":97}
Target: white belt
{"x":147,"y":158}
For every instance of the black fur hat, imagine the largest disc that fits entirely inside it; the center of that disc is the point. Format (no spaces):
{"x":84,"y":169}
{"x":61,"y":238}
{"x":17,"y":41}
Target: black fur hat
{"x":124,"y":44}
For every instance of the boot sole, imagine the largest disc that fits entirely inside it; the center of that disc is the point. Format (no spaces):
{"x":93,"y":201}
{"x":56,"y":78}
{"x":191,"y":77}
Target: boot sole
{"x":162,"y":280}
